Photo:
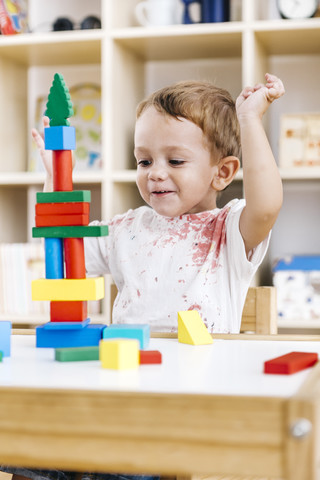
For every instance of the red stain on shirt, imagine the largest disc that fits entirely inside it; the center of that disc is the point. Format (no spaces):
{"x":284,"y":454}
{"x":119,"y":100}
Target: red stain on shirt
{"x":212,"y":235}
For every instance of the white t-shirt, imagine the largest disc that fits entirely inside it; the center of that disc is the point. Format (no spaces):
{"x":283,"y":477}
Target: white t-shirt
{"x":162,"y":265}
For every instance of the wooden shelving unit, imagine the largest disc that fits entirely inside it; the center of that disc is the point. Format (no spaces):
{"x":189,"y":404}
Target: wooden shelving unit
{"x":131,"y":61}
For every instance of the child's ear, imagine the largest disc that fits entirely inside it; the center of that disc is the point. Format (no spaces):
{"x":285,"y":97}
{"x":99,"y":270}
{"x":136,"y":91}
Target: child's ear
{"x":226,"y":171}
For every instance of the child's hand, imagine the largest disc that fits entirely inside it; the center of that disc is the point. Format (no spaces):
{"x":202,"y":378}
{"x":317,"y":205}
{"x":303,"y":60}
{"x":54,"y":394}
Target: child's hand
{"x":254,"y":101}
{"x":46,"y":155}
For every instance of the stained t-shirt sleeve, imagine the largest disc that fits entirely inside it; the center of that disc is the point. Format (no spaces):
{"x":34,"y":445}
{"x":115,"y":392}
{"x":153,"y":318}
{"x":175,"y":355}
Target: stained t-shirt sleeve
{"x":235,"y":244}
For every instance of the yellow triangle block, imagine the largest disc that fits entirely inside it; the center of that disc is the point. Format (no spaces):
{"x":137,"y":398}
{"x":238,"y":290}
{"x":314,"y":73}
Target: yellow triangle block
{"x":191,"y":329}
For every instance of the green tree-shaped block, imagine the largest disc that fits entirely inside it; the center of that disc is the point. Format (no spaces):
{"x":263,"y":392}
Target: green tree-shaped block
{"x":59,"y":106}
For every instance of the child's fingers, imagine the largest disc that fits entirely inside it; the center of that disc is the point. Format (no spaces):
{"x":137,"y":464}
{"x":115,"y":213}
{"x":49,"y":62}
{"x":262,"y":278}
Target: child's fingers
{"x":37,"y":138}
{"x":275,"y":90}
{"x":246,"y":92}
{"x":45,"y":122}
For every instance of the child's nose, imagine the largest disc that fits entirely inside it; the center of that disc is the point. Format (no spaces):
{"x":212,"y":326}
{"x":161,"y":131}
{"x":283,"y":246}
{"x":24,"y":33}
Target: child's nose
{"x":158,"y":172}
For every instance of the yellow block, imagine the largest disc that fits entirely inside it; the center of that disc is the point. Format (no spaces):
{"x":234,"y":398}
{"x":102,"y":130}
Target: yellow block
{"x":191,"y":329}
{"x":119,"y":354}
{"x":68,"y":289}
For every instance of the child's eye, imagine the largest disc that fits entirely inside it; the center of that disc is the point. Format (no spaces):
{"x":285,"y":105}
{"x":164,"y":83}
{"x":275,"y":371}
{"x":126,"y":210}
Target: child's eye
{"x":176,"y":162}
{"x":144,"y":163}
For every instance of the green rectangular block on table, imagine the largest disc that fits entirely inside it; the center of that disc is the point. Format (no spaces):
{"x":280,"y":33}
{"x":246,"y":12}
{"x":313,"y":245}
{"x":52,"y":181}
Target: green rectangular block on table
{"x":1,"y":355}
{"x":76,"y":354}
{"x":70,"y":232}
{"x":64,"y":197}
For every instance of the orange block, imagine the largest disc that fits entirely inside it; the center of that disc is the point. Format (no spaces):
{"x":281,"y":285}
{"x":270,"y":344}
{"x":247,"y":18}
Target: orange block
{"x":74,"y":258}
{"x":62,"y":170}
{"x":61,"y":220}
{"x":68,"y":311}
{"x":70,"y":208}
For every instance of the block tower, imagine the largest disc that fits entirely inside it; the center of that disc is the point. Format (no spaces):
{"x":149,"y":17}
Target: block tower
{"x":62,"y":219}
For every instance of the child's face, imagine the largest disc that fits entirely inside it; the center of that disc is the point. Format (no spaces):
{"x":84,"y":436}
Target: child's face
{"x":175,"y":169}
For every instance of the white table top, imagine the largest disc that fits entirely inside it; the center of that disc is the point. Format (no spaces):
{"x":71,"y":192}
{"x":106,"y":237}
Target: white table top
{"x":227,"y":367}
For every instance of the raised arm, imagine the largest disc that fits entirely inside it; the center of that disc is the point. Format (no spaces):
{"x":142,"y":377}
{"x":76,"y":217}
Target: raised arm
{"x":261,"y":178}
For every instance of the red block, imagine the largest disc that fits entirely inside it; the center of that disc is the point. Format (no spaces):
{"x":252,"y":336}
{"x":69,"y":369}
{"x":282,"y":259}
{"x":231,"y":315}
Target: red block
{"x":290,"y":363}
{"x":68,"y":311}
{"x":62,"y":170}
{"x":150,"y":356}
{"x":70,"y":208}
{"x":61,"y":220}
{"x":74,"y":258}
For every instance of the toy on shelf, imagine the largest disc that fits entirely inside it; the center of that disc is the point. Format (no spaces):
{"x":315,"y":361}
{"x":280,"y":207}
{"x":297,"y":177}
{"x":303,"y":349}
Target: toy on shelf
{"x":62,"y":219}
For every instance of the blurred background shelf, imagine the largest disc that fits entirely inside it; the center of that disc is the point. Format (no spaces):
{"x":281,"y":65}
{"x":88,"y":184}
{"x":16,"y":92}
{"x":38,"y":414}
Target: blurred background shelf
{"x":128,"y":62}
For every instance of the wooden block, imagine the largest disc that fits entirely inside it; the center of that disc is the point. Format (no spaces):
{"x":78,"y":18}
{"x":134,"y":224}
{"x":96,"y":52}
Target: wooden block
{"x":137,"y":332}
{"x":54,"y":264}
{"x":150,"y":357}
{"x":62,"y":170}
{"x":290,"y":363}
{"x":70,"y":232}
{"x":66,"y":325}
{"x":68,"y":289}
{"x":64,"y":197}
{"x":74,"y":257}
{"x":5,"y":338}
{"x":68,"y":311}
{"x":191,"y":329}
{"x":77,"y":354}
{"x":61,"y":220}
{"x":120,"y":354}
{"x":88,"y":336}
{"x":70,"y":208}
{"x":59,"y":105}
{"x":60,"y":138}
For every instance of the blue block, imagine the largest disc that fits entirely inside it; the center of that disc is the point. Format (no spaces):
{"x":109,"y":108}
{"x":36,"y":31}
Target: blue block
{"x":54,"y":257}
{"x":88,"y":336}
{"x":138,"y":332}
{"x":66,"y":325}
{"x":5,"y":338}
{"x":60,"y":138}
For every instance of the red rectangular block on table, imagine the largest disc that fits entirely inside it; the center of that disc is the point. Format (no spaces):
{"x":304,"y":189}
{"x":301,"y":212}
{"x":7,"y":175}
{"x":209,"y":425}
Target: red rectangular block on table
{"x":74,"y":257}
{"x":70,"y":208}
{"x":61,"y":220}
{"x":68,"y":311}
{"x":150,"y":356}
{"x":290,"y":363}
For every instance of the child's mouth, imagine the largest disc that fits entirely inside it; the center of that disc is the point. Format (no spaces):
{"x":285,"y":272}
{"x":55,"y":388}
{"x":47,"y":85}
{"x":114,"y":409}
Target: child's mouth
{"x":160,"y":193}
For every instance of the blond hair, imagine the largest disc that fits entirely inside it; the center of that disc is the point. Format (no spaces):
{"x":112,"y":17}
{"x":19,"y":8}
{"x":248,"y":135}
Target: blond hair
{"x":209,"y":107}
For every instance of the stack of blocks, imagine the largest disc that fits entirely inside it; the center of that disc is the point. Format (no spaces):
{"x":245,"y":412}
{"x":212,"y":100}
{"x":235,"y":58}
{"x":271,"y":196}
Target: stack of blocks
{"x":62,"y":219}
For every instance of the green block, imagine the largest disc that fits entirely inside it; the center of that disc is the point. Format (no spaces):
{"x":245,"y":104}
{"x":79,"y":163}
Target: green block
{"x":59,"y":106}
{"x":1,"y":355}
{"x":77,"y":354}
{"x":70,"y":232}
{"x":64,"y":197}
